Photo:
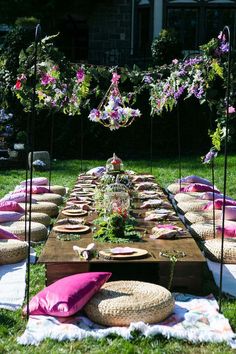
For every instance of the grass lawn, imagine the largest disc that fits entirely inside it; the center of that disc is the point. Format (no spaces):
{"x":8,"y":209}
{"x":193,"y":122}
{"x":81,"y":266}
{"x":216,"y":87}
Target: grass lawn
{"x":65,"y":173}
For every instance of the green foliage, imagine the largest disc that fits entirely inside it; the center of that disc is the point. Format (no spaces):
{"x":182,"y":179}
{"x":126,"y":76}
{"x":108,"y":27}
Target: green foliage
{"x":216,"y":137}
{"x":165,"y":47}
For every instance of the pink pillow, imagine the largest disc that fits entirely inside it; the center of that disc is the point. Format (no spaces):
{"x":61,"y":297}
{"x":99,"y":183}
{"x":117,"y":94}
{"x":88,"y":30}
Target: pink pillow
{"x":35,"y":190}
{"x":6,"y":235}
{"x":11,"y":206}
{"x":196,"y":179}
{"x":219,"y":203}
{"x":6,"y":216}
{"x":230,"y":212}
{"x":18,"y":197}
{"x":198,"y":187}
{"x":229,"y":231}
{"x":68,"y":295}
{"x":209,"y":196}
{"x":38,"y":181}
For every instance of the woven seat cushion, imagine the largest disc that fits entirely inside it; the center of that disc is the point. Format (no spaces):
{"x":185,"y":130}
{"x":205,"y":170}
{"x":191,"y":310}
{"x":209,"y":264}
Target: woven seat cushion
{"x":42,"y":218}
{"x":202,"y":216}
{"x":203,"y":230}
{"x":12,"y":251}
{"x":48,"y":208}
{"x":119,"y":303}
{"x":38,"y":231}
{"x":175,"y":187}
{"x":57,"y":189}
{"x":212,"y":250}
{"x":184,"y":197}
{"x":49,"y":197}
{"x":194,"y":205}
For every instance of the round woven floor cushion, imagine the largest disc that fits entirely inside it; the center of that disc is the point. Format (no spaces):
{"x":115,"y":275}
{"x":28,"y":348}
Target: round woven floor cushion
{"x":203,"y":230}
{"x":119,"y":303}
{"x":194,"y":205}
{"x":49,"y":197}
{"x":184,"y":197}
{"x":57,"y":189}
{"x":212,"y":249}
{"x":12,"y":251}
{"x":49,"y":208}
{"x":38,"y":231}
{"x":174,"y":187}
{"x":42,"y":218}
{"x":202,"y":216}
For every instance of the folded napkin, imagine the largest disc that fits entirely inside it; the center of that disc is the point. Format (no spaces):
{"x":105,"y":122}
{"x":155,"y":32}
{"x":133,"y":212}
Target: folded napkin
{"x":151,"y":203}
{"x":160,"y":214}
{"x":71,"y":221}
{"x":143,"y":178}
{"x":86,"y":252}
{"x":146,"y":185}
{"x":149,"y":195}
{"x":165,"y":231}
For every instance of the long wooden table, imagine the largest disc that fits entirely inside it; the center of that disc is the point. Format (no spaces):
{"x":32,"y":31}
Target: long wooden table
{"x":60,"y":260}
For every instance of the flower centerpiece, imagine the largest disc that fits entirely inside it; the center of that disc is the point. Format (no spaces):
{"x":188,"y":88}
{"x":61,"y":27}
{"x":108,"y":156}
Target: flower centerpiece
{"x":111,"y":112}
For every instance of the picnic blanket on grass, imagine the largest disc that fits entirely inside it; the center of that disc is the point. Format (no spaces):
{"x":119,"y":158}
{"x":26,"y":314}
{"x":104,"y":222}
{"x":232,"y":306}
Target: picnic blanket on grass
{"x":195,"y":319}
{"x":12,"y":283}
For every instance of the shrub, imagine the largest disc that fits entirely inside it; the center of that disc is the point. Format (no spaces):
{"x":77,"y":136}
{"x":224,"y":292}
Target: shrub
{"x":165,"y":47}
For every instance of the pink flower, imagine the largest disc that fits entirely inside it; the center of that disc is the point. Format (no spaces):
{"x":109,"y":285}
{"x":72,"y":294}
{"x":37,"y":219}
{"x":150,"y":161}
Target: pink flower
{"x":231,"y":110}
{"x":221,"y":37}
{"x":47,"y":79}
{"x":80,"y":75}
{"x":18,"y":85}
{"x":115,"y":78}
{"x":175,"y":61}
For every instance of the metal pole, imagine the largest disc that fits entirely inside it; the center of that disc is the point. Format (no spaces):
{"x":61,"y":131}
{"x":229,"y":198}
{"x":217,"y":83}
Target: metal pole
{"x":51,"y":150}
{"x":226,"y":33}
{"x":179,"y":146}
{"x":31,"y":148}
{"x":151,"y":144}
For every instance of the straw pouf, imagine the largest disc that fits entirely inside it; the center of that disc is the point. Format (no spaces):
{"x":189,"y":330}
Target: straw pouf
{"x":202,"y":216}
{"x":193,"y":205}
{"x":12,"y":251}
{"x":174,"y":187}
{"x":48,"y":208}
{"x":212,"y":250}
{"x":203,"y":230}
{"x":49,"y":197}
{"x":184,"y":197}
{"x":57,"y":189}
{"x":42,"y":218}
{"x":119,"y":303}
{"x":38,"y":231}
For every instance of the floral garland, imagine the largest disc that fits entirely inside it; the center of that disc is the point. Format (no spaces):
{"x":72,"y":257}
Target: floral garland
{"x":111,"y":112}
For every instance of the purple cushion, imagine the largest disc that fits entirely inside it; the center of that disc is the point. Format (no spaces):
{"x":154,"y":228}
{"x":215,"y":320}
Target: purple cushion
{"x":230,"y":212}
{"x":96,"y":171}
{"x":199,"y":187}
{"x":209,"y":196}
{"x":196,"y":179}
{"x":6,"y":216}
{"x":38,"y":181}
{"x":219,"y":203}
{"x":6,"y":235}
{"x":11,"y":206}
{"x":35,"y":190}
{"x":18,"y":197}
{"x":68,"y":295}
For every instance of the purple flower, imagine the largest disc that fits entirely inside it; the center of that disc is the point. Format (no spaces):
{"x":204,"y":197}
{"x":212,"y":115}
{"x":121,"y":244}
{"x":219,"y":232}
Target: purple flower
{"x":178,"y":93}
{"x":209,"y":156}
{"x":80,"y":75}
{"x":94,"y":115}
{"x":147,"y":79}
{"x":231,"y":110}
{"x":47,"y":79}
{"x":224,"y":47}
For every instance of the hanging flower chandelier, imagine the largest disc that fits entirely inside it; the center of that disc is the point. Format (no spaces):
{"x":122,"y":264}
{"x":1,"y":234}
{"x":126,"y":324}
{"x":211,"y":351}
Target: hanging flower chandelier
{"x":111,"y":112}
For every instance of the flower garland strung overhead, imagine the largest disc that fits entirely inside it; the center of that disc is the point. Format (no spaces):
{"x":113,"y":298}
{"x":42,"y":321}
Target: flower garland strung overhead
{"x":111,"y":112}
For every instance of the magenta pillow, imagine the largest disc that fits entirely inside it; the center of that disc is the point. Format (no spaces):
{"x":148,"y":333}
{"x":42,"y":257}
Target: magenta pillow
{"x":11,"y":206}
{"x":38,"y":181}
{"x":196,"y":179}
{"x":6,"y":235}
{"x":6,"y":216}
{"x":229,"y":231}
{"x":35,"y":190}
{"x":198,"y":187}
{"x":68,"y":295}
{"x":219,"y":203}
